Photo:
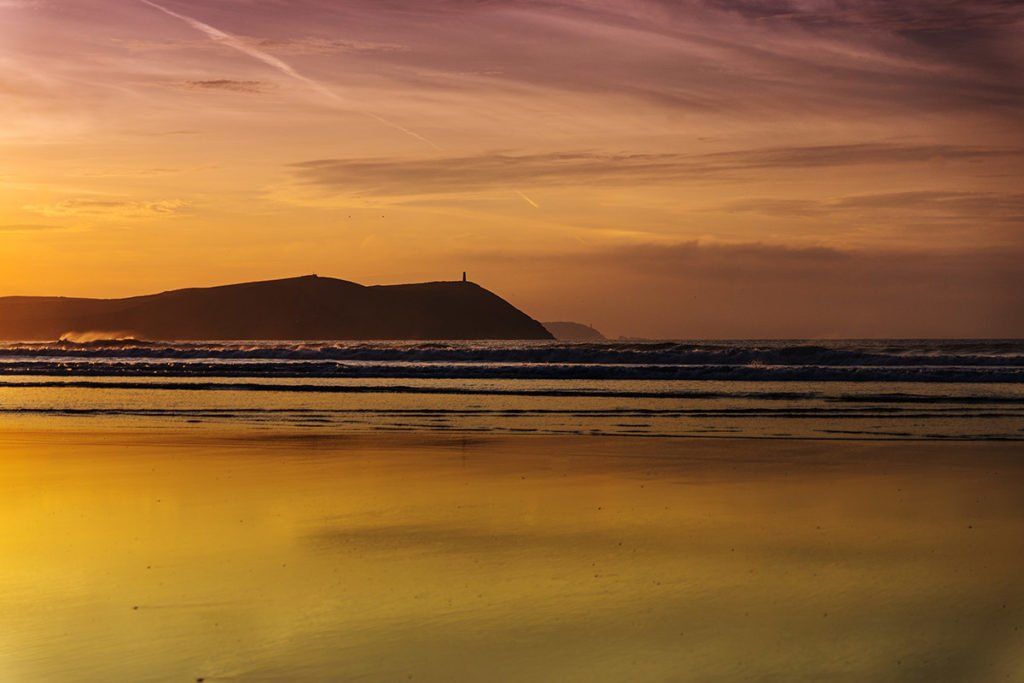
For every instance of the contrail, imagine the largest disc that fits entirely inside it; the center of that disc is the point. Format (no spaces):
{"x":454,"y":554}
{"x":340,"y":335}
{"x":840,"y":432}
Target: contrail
{"x":216,"y":35}
{"x":527,"y":199}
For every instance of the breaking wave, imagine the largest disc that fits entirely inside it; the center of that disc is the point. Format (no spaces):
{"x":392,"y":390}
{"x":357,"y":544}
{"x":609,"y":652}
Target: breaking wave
{"x":904,"y":389}
{"x":97,"y":340}
{"x":967,"y":361}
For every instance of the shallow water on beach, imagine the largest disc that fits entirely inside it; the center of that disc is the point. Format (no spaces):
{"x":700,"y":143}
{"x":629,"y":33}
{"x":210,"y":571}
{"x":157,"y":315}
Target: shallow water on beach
{"x":285,"y":555}
{"x":852,"y":389}
{"x":706,"y":408}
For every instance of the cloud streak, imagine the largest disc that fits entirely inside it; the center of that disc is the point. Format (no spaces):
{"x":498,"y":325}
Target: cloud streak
{"x":396,"y":177}
{"x":110,"y":208}
{"x":973,"y":206}
{"x":310,"y":45}
{"x":228,"y":84}
{"x":737,"y":58}
{"x":527,"y":199}
{"x":246,"y":48}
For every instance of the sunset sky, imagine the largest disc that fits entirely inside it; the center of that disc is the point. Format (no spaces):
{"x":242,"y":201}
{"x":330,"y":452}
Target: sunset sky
{"x":705,"y":168}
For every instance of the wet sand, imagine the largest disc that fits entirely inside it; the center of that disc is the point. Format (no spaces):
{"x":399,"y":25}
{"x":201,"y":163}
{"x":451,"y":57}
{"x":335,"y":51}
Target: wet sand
{"x":158,"y":555}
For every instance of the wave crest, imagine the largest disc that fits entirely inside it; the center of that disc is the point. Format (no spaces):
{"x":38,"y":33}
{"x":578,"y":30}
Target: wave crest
{"x":99,"y":339}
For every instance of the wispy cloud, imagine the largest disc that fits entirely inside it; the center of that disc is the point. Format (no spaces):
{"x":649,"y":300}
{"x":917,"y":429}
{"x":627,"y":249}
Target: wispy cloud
{"x":325,"y":46}
{"x":244,"y":47}
{"x":973,"y":206}
{"x":385,"y":177}
{"x":308,"y":45}
{"x":228,"y":84}
{"x":109,"y":207}
{"x":527,"y":199}
{"x":742,"y":58}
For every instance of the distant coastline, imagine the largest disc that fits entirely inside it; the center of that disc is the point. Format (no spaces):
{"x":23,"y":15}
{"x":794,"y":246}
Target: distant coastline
{"x":570,"y":331}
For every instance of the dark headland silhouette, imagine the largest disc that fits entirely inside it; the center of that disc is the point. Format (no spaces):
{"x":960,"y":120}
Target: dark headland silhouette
{"x":310,"y":307}
{"x":569,"y":331}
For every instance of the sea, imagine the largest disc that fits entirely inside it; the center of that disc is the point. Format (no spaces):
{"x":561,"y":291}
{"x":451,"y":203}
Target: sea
{"x":803,"y":389}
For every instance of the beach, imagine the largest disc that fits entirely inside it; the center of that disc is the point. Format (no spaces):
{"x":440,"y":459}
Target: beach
{"x":156,"y":552}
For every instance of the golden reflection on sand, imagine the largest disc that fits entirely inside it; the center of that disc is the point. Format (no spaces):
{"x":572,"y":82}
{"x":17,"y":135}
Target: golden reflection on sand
{"x":134,"y":556}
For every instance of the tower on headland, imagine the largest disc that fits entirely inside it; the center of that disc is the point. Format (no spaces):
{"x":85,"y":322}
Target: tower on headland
{"x":463,"y":276}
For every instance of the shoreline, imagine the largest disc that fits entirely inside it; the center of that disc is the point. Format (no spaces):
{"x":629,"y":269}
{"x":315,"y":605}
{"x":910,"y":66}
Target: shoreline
{"x":44,"y":422}
{"x":582,"y":445}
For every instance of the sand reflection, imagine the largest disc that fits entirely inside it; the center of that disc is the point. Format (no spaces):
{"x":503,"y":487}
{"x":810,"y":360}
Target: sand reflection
{"x":303,"y":558}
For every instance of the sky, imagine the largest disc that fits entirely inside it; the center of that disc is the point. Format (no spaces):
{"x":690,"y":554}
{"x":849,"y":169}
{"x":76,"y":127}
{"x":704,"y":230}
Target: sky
{"x":656,"y":168}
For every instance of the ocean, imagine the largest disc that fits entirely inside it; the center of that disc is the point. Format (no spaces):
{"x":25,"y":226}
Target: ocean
{"x":851,"y":389}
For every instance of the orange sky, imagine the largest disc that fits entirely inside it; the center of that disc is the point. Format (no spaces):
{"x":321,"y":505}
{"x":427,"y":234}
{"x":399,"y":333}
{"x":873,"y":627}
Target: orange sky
{"x":691,"y":168}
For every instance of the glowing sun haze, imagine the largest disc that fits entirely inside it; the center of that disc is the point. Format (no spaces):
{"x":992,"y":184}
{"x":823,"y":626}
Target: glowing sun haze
{"x":653,"y":167}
